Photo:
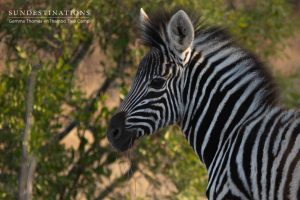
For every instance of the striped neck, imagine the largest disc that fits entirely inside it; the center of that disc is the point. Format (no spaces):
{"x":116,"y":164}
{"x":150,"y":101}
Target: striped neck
{"x":223,"y":86}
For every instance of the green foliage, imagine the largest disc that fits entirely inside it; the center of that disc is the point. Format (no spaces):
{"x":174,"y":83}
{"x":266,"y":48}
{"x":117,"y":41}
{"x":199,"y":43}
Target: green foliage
{"x":290,"y":89}
{"x":172,"y":156}
{"x":59,"y":105}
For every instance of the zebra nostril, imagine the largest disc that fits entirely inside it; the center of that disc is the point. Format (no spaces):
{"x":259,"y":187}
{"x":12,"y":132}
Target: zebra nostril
{"x":116,"y":133}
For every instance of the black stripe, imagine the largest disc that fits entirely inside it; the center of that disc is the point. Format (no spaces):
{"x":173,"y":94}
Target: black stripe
{"x":270,"y":154}
{"x":290,"y":177}
{"x":291,"y":143}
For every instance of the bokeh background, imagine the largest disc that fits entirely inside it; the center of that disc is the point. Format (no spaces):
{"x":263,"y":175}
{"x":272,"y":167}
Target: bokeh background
{"x":83,"y":72}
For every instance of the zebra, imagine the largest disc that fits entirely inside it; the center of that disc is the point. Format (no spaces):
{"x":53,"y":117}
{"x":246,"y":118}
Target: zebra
{"x":223,"y":99}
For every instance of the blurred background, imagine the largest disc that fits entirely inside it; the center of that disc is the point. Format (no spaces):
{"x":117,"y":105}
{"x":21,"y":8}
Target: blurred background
{"x":81,"y":72}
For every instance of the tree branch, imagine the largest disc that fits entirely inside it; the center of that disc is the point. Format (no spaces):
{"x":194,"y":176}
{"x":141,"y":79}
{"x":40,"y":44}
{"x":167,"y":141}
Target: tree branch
{"x":28,"y":163}
{"x":80,"y":52}
{"x":95,"y":97}
{"x":76,"y":171}
{"x":125,"y":177}
{"x":77,"y":55}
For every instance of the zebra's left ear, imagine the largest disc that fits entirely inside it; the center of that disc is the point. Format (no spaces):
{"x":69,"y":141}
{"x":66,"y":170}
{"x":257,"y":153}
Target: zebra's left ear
{"x":180,"y":31}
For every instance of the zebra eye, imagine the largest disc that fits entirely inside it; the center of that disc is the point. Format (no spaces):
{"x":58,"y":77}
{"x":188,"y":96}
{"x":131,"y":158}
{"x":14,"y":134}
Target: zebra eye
{"x":157,"y":83}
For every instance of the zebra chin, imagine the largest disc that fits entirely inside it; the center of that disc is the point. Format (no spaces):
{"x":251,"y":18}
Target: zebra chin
{"x":120,"y":138}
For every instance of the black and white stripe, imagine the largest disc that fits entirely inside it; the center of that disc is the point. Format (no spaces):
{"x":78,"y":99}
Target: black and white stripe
{"x":225,"y":103}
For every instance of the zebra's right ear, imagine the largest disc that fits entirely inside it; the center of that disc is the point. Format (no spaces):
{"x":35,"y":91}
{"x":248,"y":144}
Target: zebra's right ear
{"x":180,"y":31}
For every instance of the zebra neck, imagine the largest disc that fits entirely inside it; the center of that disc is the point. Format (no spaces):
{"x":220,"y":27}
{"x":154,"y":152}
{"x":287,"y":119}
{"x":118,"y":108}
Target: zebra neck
{"x":221,"y":93}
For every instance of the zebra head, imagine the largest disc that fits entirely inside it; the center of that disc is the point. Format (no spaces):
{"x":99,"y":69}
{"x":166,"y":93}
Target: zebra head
{"x":155,"y":98}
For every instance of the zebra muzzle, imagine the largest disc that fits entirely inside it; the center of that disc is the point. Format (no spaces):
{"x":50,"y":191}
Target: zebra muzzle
{"x":118,"y":136}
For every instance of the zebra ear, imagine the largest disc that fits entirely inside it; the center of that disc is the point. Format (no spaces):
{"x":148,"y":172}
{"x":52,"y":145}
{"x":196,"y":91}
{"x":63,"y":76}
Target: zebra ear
{"x":180,"y":31}
{"x":143,"y":16}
